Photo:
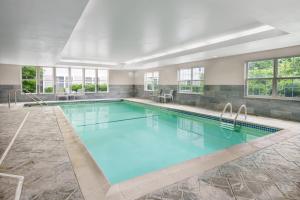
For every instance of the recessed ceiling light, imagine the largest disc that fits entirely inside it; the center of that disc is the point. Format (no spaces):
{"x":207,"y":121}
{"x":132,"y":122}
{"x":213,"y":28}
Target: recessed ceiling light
{"x":224,"y":38}
{"x":88,"y":62}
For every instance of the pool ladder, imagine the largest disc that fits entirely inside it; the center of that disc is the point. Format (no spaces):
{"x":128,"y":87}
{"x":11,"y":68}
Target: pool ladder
{"x":32,"y":96}
{"x":231,"y":126}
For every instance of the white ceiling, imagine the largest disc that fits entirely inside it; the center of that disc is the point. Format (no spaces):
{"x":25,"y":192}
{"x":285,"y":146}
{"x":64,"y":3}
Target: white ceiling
{"x":243,"y":48}
{"x":34,"y":32}
{"x":112,"y":32}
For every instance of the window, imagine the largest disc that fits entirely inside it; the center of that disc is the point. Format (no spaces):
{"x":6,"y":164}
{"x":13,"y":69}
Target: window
{"x":260,"y":77}
{"x":151,"y":81}
{"x":274,"y":77}
{"x":288,"y":78}
{"x":46,"y":80}
{"x":90,"y":80}
{"x":43,"y":79}
{"x":184,"y":78}
{"x":77,"y":80}
{"x":62,"y":80}
{"x":29,"y":79}
{"x":102,"y":85}
{"x":191,"y":80}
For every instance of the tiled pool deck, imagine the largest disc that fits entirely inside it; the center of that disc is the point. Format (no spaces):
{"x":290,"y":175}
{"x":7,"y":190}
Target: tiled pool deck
{"x":53,"y":162}
{"x":38,"y":154}
{"x":270,"y":173}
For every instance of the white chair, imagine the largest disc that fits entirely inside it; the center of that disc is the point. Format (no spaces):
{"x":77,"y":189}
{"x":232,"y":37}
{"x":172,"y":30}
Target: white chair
{"x":167,"y":96}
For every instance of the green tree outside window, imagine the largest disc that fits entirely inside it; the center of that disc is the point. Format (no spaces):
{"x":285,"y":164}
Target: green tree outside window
{"x":102,"y":87}
{"x":29,"y":79}
{"x":90,"y":87}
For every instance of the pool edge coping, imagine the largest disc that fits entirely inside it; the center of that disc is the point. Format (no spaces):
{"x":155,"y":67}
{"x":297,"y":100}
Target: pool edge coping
{"x":82,"y":161}
{"x":141,"y":185}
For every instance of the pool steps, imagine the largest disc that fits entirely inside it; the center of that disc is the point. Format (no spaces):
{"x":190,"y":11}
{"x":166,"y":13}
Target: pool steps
{"x":227,"y":125}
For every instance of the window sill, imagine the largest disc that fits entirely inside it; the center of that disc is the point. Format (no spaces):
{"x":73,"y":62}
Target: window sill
{"x":25,"y":93}
{"x":273,"y":98}
{"x":191,"y":93}
{"x":65,"y":93}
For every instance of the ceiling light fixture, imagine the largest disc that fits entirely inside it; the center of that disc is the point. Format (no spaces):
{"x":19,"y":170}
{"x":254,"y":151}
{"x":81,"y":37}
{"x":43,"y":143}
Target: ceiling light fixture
{"x":88,"y":62}
{"x":224,"y":38}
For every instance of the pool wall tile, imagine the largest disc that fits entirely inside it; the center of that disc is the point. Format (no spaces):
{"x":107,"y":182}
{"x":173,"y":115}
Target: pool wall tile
{"x":240,"y":123}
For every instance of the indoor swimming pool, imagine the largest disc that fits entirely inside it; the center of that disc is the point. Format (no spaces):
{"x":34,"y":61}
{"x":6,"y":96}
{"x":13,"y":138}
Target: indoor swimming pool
{"x":129,"y":139}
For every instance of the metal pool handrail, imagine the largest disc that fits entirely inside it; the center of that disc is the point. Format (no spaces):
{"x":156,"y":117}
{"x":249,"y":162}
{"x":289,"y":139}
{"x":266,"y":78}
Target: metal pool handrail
{"x":32,"y":96}
{"x":29,"y":93}
{"x":239,"y":112}
{"x":224,"y":110}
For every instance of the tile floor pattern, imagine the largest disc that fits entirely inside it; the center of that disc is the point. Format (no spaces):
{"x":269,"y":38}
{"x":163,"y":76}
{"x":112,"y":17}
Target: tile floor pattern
{"x":271,"y":173}
{"x":8,"y":187}
{"x":40,"y":156}
{"x":9,"y":123}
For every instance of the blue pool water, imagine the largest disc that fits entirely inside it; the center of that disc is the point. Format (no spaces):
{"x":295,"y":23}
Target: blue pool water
{"x":128,"y":139}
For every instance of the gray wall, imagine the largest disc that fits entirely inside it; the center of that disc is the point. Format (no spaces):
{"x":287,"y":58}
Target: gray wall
{"x":225,"y":82}
{"x":115,"y":91}
{"x":216,"y":96}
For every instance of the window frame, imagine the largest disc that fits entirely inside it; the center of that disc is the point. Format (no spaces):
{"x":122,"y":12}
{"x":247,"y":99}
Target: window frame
{"x":275,"y":79}
{"x":152,"y":77}
{"x":38,"y":79}
{"x":260,"y":78}
{"x":191,"y":69}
